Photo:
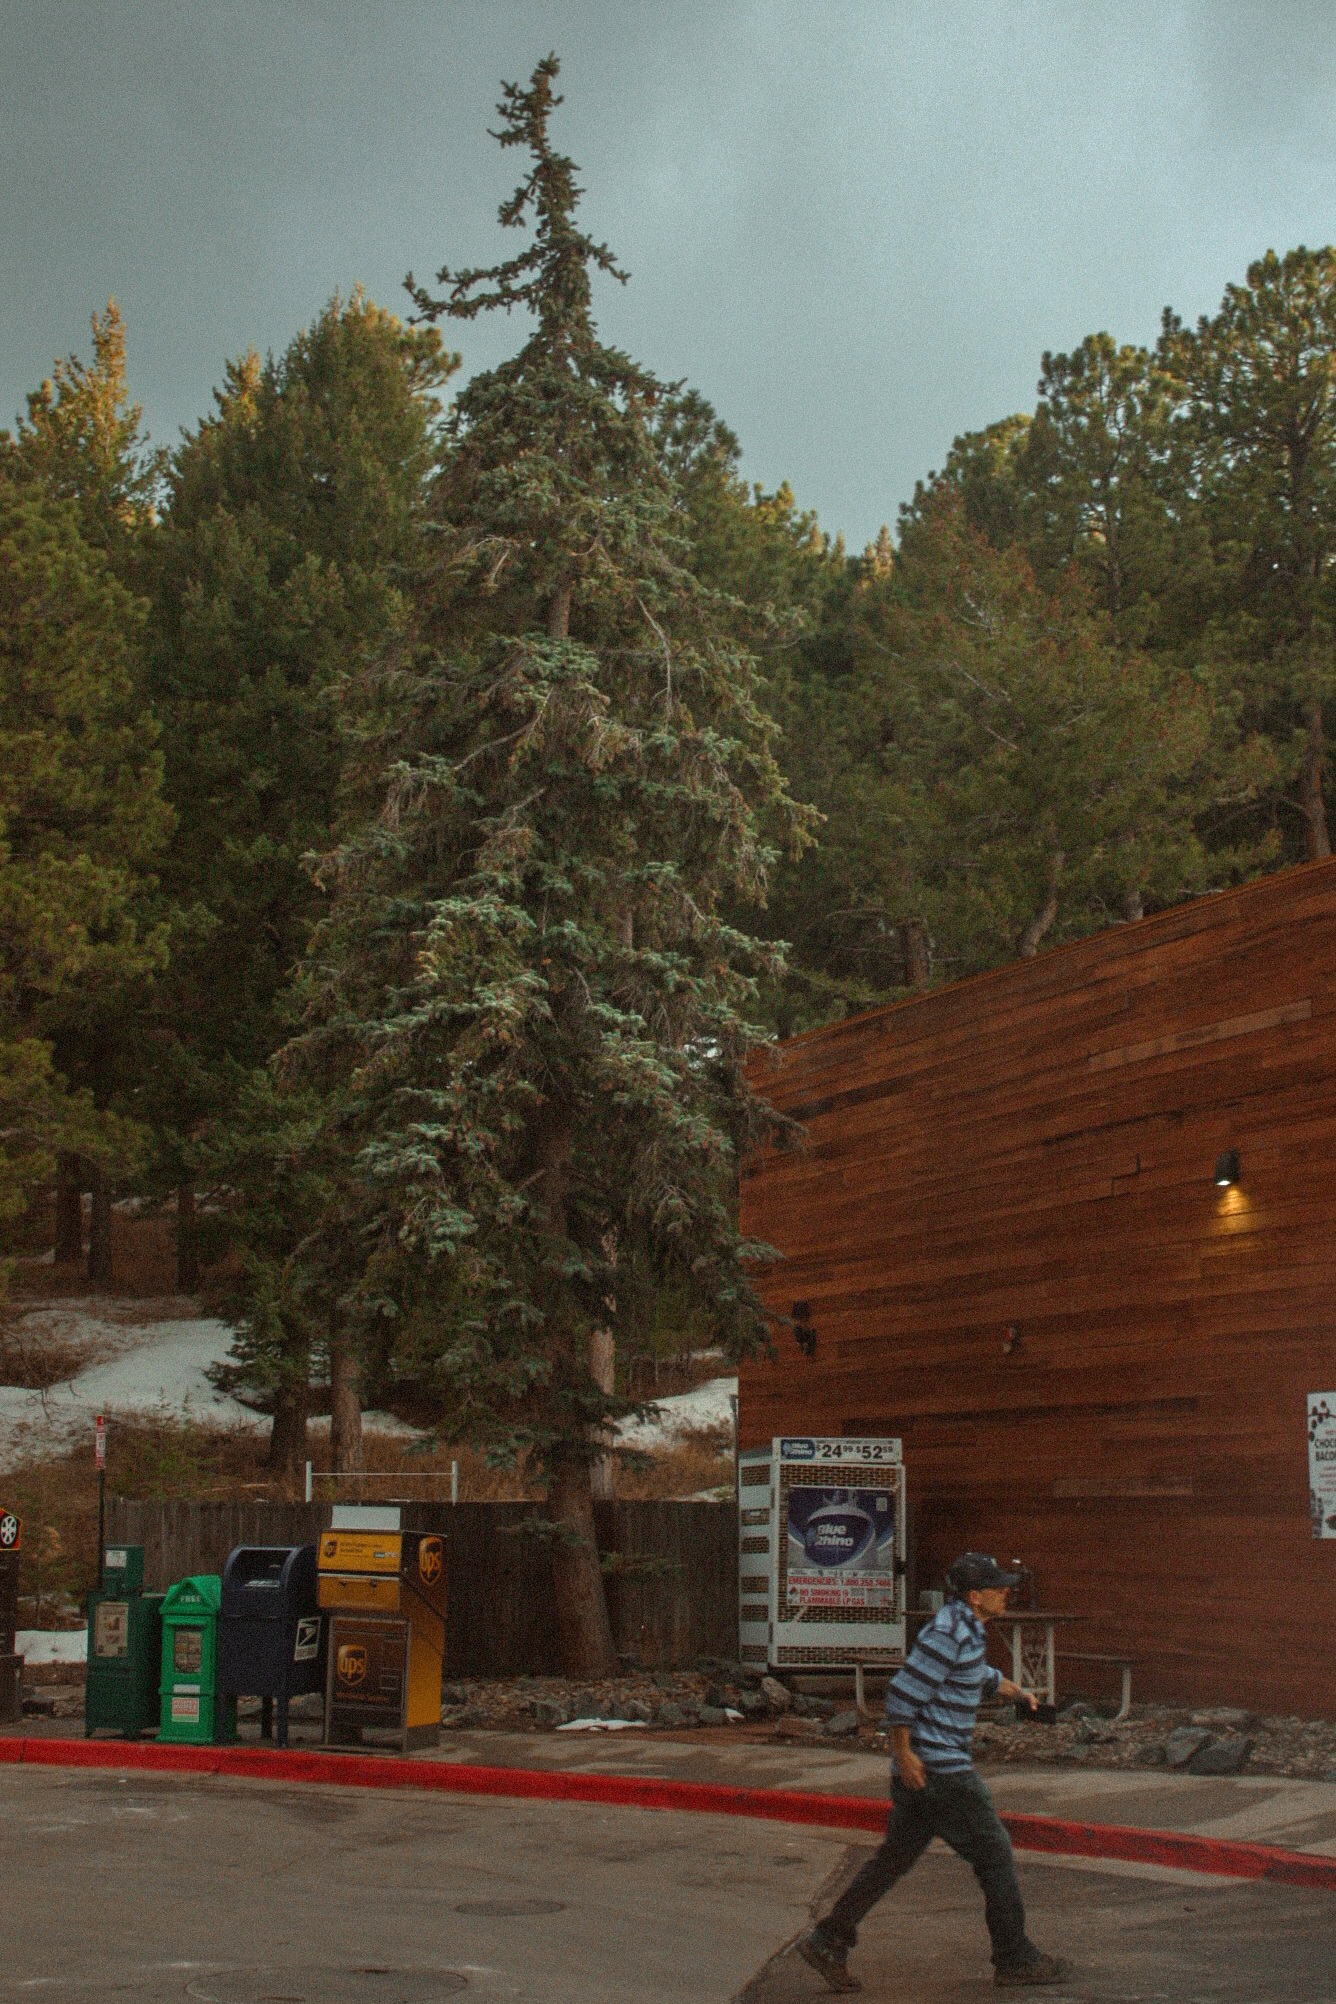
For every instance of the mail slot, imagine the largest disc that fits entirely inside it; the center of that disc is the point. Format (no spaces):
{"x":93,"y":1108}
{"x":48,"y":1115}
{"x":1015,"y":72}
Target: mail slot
{"x":270,"y":1632}
{"x":382,"y":1591}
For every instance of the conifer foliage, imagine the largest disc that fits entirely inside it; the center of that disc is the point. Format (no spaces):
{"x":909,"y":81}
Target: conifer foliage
{"x":528,"y":1007}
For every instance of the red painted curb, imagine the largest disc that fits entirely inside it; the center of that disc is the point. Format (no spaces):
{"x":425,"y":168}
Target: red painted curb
{"x":1218,"y":1856}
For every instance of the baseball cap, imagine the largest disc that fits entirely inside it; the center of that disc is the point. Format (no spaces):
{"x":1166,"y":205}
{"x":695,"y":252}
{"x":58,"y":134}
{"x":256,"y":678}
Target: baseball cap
{"x":973,"y":1572}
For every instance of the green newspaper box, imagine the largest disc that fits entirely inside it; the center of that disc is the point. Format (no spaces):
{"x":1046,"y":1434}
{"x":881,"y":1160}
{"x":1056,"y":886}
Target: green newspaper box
{"x":124,"y":1648}
{"x":193,"y":1712}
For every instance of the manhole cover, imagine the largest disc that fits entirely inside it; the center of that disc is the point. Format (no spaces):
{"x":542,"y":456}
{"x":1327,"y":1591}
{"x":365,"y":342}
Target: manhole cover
{"x":327,"y":1986}
{"x":500,"y":1908}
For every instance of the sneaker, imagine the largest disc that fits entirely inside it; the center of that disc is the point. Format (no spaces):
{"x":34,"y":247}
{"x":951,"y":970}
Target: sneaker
{"x":828,"y":1962}
{"x":1044,"y":1969}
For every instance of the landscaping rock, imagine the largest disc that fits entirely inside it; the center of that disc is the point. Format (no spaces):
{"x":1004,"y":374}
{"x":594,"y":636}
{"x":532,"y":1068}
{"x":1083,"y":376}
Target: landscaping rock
{"x":842,"y":1725}
{"x":1227,"y":1756}
{"x":454,"y":1694}
{"x":547,"y":1712}
{"x":637,"y":1711}
{"x":1226,"y":1719}
{"x":670,"y":1714}
{"x":813,"y":1708}
{"x":1180,"y":1747}
{"x":777,"y":1695}
{"x":712,"y":1715}
{"x":792,"y":1727}
{"x":753,"y":1704}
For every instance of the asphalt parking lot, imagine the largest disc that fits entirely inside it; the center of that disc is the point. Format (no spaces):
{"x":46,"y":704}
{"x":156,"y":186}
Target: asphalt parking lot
{"x":159,"y":1887}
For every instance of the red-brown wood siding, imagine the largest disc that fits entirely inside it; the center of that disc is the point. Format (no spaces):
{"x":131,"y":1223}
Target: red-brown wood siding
{"x":1033,"y":1149}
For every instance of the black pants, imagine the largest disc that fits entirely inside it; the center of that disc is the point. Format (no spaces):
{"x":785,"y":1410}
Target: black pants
{"x":958,"y":1809}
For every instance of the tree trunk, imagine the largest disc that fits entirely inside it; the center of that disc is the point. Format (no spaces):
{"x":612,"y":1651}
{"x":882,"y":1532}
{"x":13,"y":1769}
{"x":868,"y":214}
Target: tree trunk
{"x":603,"y":1370}
{"x":559,"y":613}
{"x":69,"y":1209}
{"x":1048,"y":911}
{"x":99,"y":1231}
{"x":187,"y":1241}
{"x":288,"y":1445}
{"x":584,"y":1633}
{"x":345,"y":1408}
{"x":917,"y":952}
{"x":1317,"y":841}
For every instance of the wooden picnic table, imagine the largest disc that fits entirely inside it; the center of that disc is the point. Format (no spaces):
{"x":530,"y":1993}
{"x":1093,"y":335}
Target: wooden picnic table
{"x":1034,"y":1651}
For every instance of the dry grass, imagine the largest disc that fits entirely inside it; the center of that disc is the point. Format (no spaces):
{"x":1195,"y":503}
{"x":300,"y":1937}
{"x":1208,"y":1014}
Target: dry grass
{"x":160,"y":1460}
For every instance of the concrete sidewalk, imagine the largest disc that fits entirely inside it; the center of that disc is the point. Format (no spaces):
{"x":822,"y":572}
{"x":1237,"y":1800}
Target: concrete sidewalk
{"x":1258,"y":1809}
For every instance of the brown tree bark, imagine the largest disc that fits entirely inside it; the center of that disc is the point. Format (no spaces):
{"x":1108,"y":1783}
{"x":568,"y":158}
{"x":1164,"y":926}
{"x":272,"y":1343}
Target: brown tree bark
{"x":603,"y":1370}
{"x":1040,"y":924}
{"x":584,"y":1633}
{"x":99,"y":1231}
{"x":289,"y":1447}
{"x":187,"y":1240}
{"x":559,"y":613}
{"x":345,"y":1408}
{"x":917,"y":952}
{"x":69,"y":1209}
{"x":1317,"y":840}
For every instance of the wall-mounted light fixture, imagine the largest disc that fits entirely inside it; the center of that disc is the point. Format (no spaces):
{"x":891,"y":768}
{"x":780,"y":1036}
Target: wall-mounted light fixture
{"x":1226,"y":1168}
{"x":1010,"y":1339}
{"x":804,"y":1335}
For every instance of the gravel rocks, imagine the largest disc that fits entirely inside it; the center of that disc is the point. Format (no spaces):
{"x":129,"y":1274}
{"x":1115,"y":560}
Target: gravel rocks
{"x":1304,"y":1749}
{"x":1223,"y":1756}
{"x":1181,"y":1746}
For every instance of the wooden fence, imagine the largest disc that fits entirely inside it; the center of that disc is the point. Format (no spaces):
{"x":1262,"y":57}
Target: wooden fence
{"x":671,"y":1571}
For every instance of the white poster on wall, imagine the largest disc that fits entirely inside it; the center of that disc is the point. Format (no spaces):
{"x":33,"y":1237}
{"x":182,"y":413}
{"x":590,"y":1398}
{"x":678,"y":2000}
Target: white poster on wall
{"x":1322,"y":1462}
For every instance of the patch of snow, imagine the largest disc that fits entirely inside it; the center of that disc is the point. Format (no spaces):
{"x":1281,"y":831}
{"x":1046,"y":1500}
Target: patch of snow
{"x":705,"y":1409}
{"x":139,"y":1364}
{"x":602,"y":1726}
{"x":52,"y":1645}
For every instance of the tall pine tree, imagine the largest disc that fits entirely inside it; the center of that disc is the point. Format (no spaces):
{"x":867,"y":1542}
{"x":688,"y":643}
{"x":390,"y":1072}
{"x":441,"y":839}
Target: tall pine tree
{"x":529,"y":1010}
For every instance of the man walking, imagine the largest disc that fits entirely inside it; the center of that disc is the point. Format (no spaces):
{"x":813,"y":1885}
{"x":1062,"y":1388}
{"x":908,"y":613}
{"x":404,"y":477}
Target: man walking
{"x":932,"y":1704}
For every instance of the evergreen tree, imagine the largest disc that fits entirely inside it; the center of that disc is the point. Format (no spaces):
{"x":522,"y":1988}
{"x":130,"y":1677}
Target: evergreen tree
{"x":1255,"y":423}
{"x":996,"y":775}
{"x":81,"y":820}
{"x":81,"y":443}
{"x":283,"y":570}
{"x":528,"y":1004}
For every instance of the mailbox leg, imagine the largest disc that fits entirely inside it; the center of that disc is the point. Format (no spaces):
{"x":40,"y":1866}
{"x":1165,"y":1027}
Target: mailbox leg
{"x":267,"y":1719}
{"x":283,"y":1720}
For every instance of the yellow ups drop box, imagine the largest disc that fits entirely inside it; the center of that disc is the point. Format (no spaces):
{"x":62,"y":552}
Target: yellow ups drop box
{"x":383,"y":1592}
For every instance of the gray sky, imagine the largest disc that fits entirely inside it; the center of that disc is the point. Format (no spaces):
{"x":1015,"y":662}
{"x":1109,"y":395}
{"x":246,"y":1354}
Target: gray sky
{"x":854,"y":224}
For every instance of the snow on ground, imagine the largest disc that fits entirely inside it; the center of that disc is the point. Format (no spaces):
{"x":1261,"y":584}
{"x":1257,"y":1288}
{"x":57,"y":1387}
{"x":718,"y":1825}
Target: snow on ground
{"x":151,"y":1367}
{"x":52,"y":1645}
{"x":702,"y":1410}
{"x":136,"y":1364}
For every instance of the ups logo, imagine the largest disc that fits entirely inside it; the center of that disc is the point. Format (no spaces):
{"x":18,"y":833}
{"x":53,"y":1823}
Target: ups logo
{"x":352,"y":1663}
{"x":331,"y":1547}
{"x":431,"y":1560}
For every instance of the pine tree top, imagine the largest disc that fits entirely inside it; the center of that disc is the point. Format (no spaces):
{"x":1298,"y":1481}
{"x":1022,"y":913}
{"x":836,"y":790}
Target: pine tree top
{"x":551,"y":279}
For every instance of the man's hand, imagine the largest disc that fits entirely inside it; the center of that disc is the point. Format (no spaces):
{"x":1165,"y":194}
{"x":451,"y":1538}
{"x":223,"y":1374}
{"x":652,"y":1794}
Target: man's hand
{"x":1006,"y":1689}
{"x":908,"y":1766}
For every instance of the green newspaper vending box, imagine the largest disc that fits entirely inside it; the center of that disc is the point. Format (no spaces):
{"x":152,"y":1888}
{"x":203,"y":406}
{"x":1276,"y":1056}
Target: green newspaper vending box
{"x":124,"y":1648}
{"x":193,"y":1711}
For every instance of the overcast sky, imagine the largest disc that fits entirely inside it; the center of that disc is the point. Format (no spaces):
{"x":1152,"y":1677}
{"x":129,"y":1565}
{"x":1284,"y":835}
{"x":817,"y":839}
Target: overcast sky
{"x":854,"y":224}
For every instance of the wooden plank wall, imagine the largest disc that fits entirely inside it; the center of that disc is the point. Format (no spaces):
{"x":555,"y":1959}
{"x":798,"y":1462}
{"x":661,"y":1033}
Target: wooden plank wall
{"x":1033,"y":1151}
{"x":672,"y":1582}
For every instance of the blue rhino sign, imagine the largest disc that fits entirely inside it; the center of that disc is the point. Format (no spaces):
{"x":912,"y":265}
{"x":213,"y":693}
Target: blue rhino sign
{"x":841,"y":1546}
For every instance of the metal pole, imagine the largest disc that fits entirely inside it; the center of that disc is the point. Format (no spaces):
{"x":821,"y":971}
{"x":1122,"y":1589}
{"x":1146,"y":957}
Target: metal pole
{"x":308,"y":1481}
{"x":454,"y":1482}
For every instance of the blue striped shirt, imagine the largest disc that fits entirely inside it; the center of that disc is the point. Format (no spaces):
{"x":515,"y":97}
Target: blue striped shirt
{"x":937,"y":1693}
